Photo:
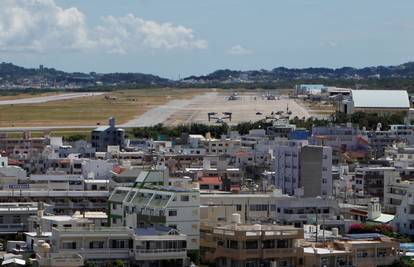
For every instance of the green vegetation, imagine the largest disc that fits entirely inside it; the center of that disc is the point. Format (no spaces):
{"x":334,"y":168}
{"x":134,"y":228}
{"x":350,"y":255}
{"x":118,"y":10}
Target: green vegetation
{"x":403,"y":262}
{"x":162,"y":132}
{"x":385,"y":229}
{"x":369,"y":120}
{"x":75,"y":137}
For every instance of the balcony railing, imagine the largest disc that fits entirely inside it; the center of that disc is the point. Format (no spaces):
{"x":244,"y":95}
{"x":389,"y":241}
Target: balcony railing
{"x":59,"y":259}
{"x":149,"y":254}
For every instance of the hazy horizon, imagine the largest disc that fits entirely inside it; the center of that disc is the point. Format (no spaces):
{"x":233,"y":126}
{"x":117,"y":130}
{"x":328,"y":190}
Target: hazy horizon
{"x":181,"y":38}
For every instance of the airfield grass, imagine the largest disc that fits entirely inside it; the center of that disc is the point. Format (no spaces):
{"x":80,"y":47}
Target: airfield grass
{"x":123,"y":105}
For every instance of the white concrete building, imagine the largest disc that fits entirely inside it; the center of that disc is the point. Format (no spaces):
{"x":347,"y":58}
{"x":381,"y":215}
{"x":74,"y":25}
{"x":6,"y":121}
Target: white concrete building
{"x":159,"y":205}
{"x":99,"y":245}
{"x":303,"y":170}
{"x":273,"y":207}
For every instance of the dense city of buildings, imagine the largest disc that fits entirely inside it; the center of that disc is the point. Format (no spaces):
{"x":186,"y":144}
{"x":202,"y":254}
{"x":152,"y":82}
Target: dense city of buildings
{"x":335,"y":195}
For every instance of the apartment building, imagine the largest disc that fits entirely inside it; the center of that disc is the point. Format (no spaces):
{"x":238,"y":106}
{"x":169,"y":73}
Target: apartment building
{"x":99,"y":245}
{"x":14,"y":217}
{"x":251,"y":245}
{"x":157,"y":205}
{"x":356,"y":250}
{"x":326,"y":256}
{"x":395,"y":190}
{"x":216,"y":209}
{"x":370,"y":250}
{"x":369,"y":181}
{"x":404,"y":216}
{"x":223,"y":145}
{"x":316,"y":171}
{"x":63,"y":202}
{"x":302,"y":169}
{"x":287,"y":166}
{"x":347,"y":142}
{"x":22,"y":147}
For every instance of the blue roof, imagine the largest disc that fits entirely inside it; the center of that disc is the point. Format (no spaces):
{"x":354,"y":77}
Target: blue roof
{"x":156,"y":230}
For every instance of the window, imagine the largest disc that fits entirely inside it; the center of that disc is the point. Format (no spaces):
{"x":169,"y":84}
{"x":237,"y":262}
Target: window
{"x":232,"y":244}
{"x":282,"y":244}
{"x":185,"y":198}
{"x":69,"y":245}
{"x":17,"y":219}
{"x":362,"y":254}
{"x":238,"y":207}
{"x":172,"y":213}
{"x":251,"y":244}
{"x":96,"y":244}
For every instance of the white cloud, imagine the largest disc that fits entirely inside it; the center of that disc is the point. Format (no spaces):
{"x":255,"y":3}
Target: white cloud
{"x":38,"y":25}
{"x":239,"y":50}
{"x":41,"y":26}
{"x":128,"y":33}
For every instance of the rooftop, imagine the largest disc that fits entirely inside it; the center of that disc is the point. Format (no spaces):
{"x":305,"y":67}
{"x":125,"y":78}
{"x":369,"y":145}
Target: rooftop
{"x":210,"y":180}
{"x":323,"y":251}
{"x":380,"y":99}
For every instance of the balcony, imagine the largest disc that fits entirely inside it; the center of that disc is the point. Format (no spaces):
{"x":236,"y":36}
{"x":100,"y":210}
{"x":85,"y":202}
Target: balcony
{"x":12,"y":228}
{"x":104,"y":253}
{"x":244,"y":254}
{"x":160,"y":254}
{"x":60,"y":259}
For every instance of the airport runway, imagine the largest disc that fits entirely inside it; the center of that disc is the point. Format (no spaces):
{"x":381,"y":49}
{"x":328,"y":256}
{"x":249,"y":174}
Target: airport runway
{"x":250,"y":106}
{"x":44,"y":99}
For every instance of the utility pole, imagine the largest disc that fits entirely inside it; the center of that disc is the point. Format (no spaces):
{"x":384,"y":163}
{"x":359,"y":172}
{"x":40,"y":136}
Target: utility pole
{"x":317,"y":232}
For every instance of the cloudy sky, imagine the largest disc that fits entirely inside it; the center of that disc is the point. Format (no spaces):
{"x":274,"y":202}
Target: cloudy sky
{"x":177,"y":38}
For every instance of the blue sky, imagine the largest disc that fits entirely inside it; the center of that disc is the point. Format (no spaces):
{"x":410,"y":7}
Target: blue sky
{"x":175,"y":38}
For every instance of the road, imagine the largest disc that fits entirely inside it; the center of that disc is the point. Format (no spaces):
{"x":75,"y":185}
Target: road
{"x":45,"y":99}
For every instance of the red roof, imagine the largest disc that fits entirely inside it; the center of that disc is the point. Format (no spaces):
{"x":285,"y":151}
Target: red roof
{"x":210,"y":180}
{"x":14,"y":162}
{"x":117,"y":169}
{"x":235,"y":188}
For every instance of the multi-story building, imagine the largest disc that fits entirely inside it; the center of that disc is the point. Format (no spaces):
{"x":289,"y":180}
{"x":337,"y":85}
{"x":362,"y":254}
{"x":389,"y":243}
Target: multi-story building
{"x":356,"y":250}
{"x":316,"y":171}
{"x":255,"y":245}
{"x":99,"y":245}
{"x":105,"y":136}
{"x":287,"y":166}
{"x":303,"y":170}
{"x":22,"y":147}
{"x":370,"y":249}
{"x":369,"y":181}
{"x":276,"y":208}
{"x":395,"y":190}
{"x":63,"y":202}
{"x":347,"y":142}
{"x":14,"y":217}
{"x":404,"y":216}
{"x":157,"y":205}
{"x":220,"y":146}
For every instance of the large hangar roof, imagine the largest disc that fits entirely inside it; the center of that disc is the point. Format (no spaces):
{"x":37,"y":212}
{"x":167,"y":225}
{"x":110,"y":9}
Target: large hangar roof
{"x":380,"y":99}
